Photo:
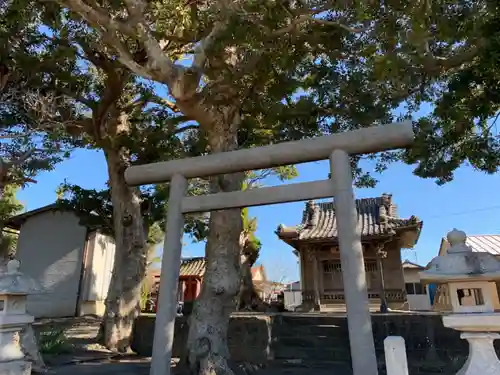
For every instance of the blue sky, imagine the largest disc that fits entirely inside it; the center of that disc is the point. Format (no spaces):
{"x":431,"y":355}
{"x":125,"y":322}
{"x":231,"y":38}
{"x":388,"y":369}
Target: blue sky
{"x":469,"y":203}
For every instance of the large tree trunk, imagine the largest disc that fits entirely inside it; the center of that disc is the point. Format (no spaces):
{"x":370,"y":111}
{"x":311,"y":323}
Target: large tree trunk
{"x":208,"y":353}
{"x":122,"y":302}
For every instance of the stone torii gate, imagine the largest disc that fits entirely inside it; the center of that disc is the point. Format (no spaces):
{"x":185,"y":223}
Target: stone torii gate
{"x":337,"y":147}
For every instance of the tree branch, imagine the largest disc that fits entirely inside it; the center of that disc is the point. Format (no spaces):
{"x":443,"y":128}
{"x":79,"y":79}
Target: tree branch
{"x":138,"y":104}
{"x":24,"y":157}
{"x":89,"y":103}
{"x":44,"y":110}
{"x":186,"y":128}
{"x":7,"y":166}
{"x":98,"y":16}
{"x":109,"y":28}
{"x":457,"y":59}
{"x":308,"y":16}
{"x":158,"y":61}
{"x":92,"y":54}
{"x":14,"y":135}
{"x":136,"y":9}
{"x":200,"y":55}
{"x":164,"y":102}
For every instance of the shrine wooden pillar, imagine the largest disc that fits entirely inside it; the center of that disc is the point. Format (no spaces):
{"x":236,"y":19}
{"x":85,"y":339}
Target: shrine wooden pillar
{"x":198,"y":288}
{"x":381,"y":254}
{"x":316,"y":274}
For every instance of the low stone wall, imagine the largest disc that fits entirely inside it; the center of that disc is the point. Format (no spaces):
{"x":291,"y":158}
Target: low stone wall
{"x":260,"y":338}
{"x":251,"y":330}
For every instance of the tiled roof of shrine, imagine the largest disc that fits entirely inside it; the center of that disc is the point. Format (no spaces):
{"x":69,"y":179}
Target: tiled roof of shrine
{"x":193,"y":267}
{"x":376,"y":217}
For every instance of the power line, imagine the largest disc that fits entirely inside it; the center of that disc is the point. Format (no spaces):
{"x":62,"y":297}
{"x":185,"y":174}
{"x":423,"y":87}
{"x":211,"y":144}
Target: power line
{"x":490,"y":208}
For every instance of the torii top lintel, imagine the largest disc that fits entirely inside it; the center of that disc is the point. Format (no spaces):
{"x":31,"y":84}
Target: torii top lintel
{"x":361,"y":141}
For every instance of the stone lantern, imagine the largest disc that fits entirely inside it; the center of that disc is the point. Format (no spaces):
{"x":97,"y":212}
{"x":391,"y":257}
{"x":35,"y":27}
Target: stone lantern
{"x":14,"y":288}
{"x":470,"y":279}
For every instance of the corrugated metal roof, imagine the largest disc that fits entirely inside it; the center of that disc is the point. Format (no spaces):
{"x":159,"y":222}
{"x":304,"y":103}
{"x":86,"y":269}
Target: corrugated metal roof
{"x":407,"y":264}
{"x":376,"y":216}
{"x":487,"y":243}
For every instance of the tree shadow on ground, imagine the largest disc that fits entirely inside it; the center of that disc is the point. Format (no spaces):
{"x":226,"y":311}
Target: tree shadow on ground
{"x":69,"y":340}
{"x":131,"y":366}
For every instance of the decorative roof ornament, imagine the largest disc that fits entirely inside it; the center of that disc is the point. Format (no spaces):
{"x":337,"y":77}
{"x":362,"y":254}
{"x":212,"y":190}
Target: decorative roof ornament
{"x":457,"y":238}
{"x":311,"y":213}
{"x":314,"y":216}
{"x":310,"y":204}
{"x":461,"y":263}
{"x":383,"y":214}
{"x":13,"y":267}
{"x":287,"y":232}
{"x":386,"y":200}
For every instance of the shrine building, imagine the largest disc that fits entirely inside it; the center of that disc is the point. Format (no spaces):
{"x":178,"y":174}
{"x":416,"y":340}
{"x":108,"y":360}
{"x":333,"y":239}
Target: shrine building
{"x":383,"y":235}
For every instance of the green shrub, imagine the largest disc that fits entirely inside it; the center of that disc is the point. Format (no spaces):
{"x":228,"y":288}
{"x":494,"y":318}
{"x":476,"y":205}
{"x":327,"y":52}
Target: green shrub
{"x":53,"y":342}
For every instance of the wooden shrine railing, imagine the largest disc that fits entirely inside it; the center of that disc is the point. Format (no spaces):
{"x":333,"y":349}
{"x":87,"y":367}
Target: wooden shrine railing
{"x":338,"y":296}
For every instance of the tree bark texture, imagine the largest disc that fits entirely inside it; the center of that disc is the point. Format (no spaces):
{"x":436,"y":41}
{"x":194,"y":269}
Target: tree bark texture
{"x":208,"y":353}
{"x":247,"y":292}
{"x":248,"y":298}
{"x":3,"y":250}
{"x":123,"y":300}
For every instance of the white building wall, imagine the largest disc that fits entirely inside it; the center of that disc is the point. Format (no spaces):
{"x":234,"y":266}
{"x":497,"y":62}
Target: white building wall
{"x":50,"y":249}
{"x":416,"y":301}
{"x":97,"y":275}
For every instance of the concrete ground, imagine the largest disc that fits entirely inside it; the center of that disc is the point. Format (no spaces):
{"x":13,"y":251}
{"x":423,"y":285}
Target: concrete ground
{"x":141,"y":367}
{"x":108,"y":367}
{"x":135,"y":366}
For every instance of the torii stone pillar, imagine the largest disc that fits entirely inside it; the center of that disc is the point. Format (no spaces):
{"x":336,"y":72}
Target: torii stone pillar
{"x":359,"y":324}
{"x":367,"y":140}
{"x":169,"y":280}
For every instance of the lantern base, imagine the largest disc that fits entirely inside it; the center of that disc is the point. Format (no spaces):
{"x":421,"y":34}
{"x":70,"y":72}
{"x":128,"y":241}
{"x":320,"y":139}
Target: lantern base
{"x":482,"y":356}
{"x":15,"y":368}
{"x":478,"y":322}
